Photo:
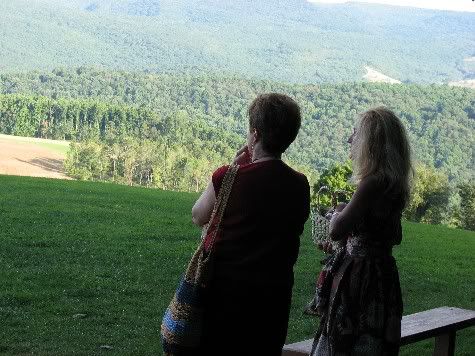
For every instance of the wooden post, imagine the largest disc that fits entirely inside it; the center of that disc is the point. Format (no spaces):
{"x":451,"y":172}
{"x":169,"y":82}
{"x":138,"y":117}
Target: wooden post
{"x":445,"y":345}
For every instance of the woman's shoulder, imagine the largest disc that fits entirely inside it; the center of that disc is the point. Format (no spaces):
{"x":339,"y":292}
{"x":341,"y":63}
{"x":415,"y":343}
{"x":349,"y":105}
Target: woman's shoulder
{"x":380,"y":191}
{"x":218,"y":177}
{"x":294,"y":173}
{"x":220,"y":172}
{"x":372,"y":184}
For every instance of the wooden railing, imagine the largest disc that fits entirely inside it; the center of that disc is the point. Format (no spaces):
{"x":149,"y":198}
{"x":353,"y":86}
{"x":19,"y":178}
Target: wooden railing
{"x":441,"y":323}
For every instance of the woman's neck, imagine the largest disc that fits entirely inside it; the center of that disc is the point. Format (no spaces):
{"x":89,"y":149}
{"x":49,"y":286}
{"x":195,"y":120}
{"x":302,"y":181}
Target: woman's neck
{"x":265,"y":158}
{"x":259,"y":154}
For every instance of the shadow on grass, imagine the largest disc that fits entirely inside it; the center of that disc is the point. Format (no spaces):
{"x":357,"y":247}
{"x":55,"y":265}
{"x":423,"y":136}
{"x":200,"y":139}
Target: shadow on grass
{"x":48,"y":164}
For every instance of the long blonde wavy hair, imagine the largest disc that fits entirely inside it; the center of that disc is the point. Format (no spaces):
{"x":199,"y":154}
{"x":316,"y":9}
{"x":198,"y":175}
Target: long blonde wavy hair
{"x":381,"y":148}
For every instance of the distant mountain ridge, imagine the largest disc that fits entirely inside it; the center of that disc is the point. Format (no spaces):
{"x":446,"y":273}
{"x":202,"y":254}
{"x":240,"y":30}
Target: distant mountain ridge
{"x":286,"y":40}
{"x":131,"y":8}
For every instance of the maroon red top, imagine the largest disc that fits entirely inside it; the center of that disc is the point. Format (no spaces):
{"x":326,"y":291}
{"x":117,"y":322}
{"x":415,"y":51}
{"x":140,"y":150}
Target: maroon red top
{"x":264,"y":218}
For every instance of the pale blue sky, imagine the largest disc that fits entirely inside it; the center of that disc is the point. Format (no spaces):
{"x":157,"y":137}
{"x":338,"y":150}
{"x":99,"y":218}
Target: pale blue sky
{"x":455,"y":5}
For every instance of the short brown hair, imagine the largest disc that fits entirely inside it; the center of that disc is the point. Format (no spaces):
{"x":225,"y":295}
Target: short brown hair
{"x":276,"y":117}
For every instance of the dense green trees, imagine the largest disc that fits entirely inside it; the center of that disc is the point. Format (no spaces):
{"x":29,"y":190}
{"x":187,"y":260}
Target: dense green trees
{"x":430,"y":197}
{"x":285,"y":40}
{"x":122,"y":143}
{"x":436,"y":200}
{"x":172,"y":131}
{"x":83,"y":119}
{"x":467,"y":205}
{"x":338,"y":181}
{"x":439,"y":119}
{"x":79,"y":119}
{"x":161,"y":163}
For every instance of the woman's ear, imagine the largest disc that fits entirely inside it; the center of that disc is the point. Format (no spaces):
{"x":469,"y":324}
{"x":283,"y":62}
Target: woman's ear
{"x":255,"y":136}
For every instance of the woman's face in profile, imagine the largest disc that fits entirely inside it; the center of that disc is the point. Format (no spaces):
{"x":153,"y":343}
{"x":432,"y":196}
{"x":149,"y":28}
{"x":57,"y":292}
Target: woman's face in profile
{"x":249,"y":140}
{"x":352,"y":136}
{"x":350,"y":141}
{"x":251,"y":133}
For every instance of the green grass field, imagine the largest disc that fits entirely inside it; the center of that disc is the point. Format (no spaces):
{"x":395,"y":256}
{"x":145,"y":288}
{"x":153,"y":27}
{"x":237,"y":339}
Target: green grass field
{"x":85,"y":265}
{"x":61,"y":147}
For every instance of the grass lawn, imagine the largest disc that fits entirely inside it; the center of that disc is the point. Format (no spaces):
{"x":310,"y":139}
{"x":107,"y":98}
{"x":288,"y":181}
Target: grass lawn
{"x":61,"y":147}
{"x":85,"y":265}
{"x":57,"y":147}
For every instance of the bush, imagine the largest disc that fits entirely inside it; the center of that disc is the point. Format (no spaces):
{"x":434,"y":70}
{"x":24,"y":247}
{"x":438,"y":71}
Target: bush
{"x":467,"y":205}
{"x":337,"y":178}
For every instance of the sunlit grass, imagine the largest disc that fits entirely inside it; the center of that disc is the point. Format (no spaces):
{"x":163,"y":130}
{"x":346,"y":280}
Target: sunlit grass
{"x":86,"y":265}
{"x":61,"y":147}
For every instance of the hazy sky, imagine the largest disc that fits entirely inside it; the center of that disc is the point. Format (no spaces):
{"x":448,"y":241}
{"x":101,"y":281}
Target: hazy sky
{"x":457,"y":5}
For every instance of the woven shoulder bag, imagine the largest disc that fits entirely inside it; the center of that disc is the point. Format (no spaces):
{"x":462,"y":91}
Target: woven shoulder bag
{"x":182,"y":324}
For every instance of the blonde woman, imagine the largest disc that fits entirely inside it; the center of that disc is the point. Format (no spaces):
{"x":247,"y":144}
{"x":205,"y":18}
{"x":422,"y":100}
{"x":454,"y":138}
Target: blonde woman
{"x":360,"y":297}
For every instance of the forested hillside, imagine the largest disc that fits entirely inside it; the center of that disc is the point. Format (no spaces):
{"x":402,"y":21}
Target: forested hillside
{"x":286,"y":40}
{"x":86,"y":103}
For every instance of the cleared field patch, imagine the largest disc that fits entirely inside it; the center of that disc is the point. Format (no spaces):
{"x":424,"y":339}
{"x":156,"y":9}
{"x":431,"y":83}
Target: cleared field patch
{"x":373,"y":76}
{"x":469,"y":83}
{"x":34,"y":157}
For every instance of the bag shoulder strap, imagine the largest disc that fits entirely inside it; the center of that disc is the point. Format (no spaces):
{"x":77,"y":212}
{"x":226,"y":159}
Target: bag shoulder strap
{"x":222,"y":201}
{"x":197,"y":271}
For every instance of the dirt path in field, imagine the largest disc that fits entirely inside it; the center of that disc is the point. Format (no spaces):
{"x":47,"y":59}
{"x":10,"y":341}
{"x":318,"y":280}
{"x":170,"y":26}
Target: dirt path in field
{"x":23,"y":158}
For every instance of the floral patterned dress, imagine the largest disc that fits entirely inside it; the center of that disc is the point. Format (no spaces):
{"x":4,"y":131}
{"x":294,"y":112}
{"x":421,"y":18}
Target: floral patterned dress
{"x":359,"y":294}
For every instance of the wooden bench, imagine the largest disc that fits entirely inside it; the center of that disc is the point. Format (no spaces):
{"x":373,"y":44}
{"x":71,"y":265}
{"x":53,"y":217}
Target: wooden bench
{"x":441,"y":323}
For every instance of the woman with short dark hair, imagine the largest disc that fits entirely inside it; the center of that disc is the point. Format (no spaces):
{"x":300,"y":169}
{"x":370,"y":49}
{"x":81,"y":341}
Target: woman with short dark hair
{"x":248,"y":307}
{"x":277,"y":118}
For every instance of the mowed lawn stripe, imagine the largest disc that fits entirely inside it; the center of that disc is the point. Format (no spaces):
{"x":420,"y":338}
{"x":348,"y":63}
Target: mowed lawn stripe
{"x":86,"y":265}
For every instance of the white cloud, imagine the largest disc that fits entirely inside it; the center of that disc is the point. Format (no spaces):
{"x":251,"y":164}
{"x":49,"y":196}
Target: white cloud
{"x":454,"y":5}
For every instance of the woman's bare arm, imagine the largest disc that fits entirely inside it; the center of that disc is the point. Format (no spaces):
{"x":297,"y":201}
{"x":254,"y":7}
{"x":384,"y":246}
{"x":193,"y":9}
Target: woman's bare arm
{"x":201,"y":212}
{"x":342,"y":223}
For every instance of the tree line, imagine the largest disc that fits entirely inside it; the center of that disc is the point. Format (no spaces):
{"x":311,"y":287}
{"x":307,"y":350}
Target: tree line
{"x":172,"y":131}
{"x":121,"y":143}
{"x":440,"y":120}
